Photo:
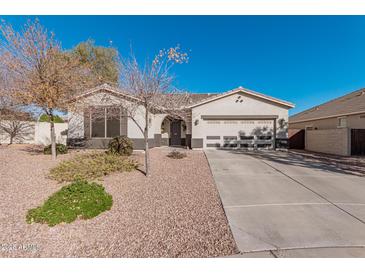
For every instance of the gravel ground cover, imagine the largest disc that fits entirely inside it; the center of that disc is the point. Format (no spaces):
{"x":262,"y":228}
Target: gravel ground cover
{"x":176,"y":212}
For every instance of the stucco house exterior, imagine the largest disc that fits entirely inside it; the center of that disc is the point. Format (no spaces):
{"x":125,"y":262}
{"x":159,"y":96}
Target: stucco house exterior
{"x":335,"y":127}
{"x":237,"y":118}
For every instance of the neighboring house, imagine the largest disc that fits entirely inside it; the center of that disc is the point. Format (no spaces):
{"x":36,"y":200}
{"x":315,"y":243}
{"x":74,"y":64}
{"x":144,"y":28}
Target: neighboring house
{"x":336,"y":127}
{"x":237,"y":118}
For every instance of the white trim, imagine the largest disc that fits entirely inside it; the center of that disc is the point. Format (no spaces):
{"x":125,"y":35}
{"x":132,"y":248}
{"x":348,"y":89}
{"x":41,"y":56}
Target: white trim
{"x":241,"y":89}
{"x":327,"y":117}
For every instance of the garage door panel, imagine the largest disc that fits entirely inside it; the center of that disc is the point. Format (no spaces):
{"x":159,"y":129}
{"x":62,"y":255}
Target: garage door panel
{"x":223,"y":133}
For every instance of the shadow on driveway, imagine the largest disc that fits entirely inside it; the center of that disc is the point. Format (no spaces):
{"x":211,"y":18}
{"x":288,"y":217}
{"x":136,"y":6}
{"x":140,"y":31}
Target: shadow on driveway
{"x":323,"y":162}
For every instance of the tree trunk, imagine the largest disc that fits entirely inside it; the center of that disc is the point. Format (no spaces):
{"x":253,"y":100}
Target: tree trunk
{"x":11,"y":139}
{"x":53,"y":136}
{"x":146,"y":149}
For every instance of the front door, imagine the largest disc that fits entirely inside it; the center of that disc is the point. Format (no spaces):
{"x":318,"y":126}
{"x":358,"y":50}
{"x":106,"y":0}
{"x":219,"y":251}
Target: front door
{"x":175,"y":130}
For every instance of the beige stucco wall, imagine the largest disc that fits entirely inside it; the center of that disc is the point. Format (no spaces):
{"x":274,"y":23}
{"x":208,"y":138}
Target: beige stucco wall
{"x":76,"y":123}
{"x":156,"y":123}
{"x":38,"y":133}
{"x":332,"y":141}
{"x":139,"y":118}
{"x":353,"y":121}
{"x":229,"y":106}
{"x":43,"y":133}
{"x":26,"y":136}
{"x":356,"y":121}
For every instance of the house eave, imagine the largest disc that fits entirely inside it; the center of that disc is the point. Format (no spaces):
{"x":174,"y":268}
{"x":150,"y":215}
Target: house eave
{"x":246,"y":91}
{"x":104,"y":87}
{"x":327,"y":117}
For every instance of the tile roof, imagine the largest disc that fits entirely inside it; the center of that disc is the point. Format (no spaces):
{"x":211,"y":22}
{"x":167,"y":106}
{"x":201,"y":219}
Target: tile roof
{"x":197,"y":97}
{"x":194,"y":98}
{"x":353,"y":102}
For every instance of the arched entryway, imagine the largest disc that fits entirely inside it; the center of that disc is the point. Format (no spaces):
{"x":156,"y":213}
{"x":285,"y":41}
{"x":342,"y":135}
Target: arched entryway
{"x":173,"y":132}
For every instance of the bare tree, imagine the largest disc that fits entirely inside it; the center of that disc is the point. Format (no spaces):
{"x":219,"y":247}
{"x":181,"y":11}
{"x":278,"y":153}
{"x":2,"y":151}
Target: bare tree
{"x":152,"y":87}
{"x":41,"y":73}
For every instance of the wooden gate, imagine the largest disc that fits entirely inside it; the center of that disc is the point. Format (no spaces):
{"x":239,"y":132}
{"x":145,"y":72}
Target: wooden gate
{"x":357,"y":141}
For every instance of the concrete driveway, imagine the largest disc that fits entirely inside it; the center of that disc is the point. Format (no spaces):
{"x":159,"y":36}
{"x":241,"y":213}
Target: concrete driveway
{"x":289,"y":205}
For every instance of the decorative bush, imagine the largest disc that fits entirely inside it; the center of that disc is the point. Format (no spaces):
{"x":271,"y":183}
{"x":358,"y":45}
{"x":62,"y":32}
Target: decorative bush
{"x":45,"y":118}
{"x":121,"y":145}
{"x":176,"y":154}
{"x":79,"y":199}
{"x":60,"y":149}
{"x":91,"y":166}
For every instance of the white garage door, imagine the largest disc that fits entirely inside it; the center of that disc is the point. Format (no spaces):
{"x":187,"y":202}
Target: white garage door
{"x":238,"y":133}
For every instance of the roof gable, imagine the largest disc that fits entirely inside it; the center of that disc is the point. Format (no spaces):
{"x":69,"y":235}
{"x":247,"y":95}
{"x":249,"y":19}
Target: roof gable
{"x":106,"y":89}
{"x":245,"y":91}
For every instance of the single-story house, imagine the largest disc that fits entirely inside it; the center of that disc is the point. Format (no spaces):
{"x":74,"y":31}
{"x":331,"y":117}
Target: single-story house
{"x":335,"y":127}
{"x":236,"y":118}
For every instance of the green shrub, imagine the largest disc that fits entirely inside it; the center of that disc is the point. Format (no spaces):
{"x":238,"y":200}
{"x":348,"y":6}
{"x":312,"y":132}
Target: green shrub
{"x":121,"y":145}
{"x":91,"y":166}
{"x":45,"y":118}
{"x":60,"y":149}
{"x":79,"y":199}
{"x":176,"y":154}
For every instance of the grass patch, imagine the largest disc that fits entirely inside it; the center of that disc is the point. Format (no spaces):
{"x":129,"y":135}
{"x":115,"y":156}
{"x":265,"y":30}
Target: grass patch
{"x":79,"y":199}
{"x":91,"y":166}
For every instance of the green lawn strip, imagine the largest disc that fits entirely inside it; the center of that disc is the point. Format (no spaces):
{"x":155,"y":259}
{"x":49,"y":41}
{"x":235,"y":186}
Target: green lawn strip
{"x":79,"y":199}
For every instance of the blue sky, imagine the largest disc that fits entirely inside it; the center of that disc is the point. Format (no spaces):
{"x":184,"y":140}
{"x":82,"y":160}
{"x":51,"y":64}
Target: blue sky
{"x":303,"y":59}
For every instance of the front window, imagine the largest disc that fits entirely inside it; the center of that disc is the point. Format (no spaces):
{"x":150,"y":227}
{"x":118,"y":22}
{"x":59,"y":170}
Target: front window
{"x":112,"y":122}
{"x":105,"y":122}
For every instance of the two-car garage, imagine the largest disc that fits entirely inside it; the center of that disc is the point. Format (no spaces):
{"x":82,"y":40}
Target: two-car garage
{"x":239,"y":119}
{"x":239,"y":131}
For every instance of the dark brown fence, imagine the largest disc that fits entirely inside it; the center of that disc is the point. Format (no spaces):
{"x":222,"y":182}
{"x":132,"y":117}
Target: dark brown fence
{"x":296,"y":138}
{"x":357,"y":141}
